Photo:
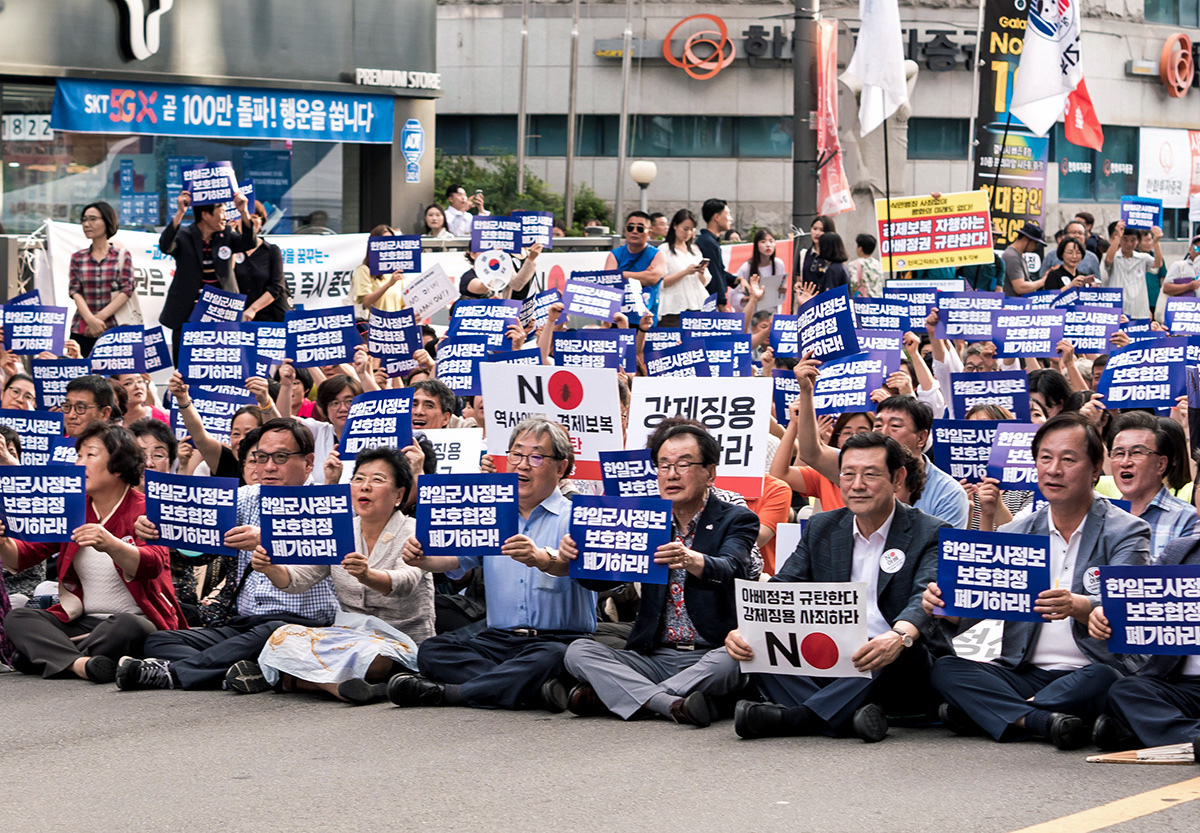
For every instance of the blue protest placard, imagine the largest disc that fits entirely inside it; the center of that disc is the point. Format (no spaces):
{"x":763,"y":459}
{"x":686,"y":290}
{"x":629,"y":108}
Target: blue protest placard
{"x":307,"y":524}
{"x":42,"y":503}
{"x":216,"y":353}
{"x":217,"y":306}
{"x":192,"y":513}
{"x":785,"y":335}
{"x":1183,"y":315}
{"x":786,"y":390}
{"x":992,"y":575}
{"x":617,"y":537}
{"x":394,"y":253}
{"x":536,"y":310}
{"x":1090,"y":296}
{"x":1090,"y":328}
{"x":711,"y":324}
{"x":844,"y":385}
{"x":1019,"y":333}
{"x":1152,"y":609}
{"x":590,"y":300}
{"x":663,"y":338}
{"x":119,"y":350}
{"x":30,"y":329}
{"x":32,"y":298}
{"x":1140,"y":328}
{"x":629,"y":473}
{"x":1034,"y":300}
{"x":210,"y":183}
{"x":961,"y":447}
{"x":466,"y":514}
{"x":393,"y":337}
{"x":688,"y":359}
{"x":458,"y":363}
{"x":967,"y":315}
{"x":502,"y":233}
{"x":490,"y":317}
{"x":634,"y":304}
{"x":525,"y":356}
{"x":36,"y":429}
{"x":377,"y":418}
{"x":320,"y":337}
{"x":827,"y":326}
{"x":1142,"y":213}
{"x":51,"y":376}
{"x":270,"y":346}
{"x":63,"y":451}
{"x":1006,"y":388}
{"x":1011,"y":459}
{"x":880,"y":341}
{"x":589,"y":348}
{"x":1146,"y":374}
{"x":215,"y":411}
{"x":880,"y":314}
{"x":920,"y":300}
{"x":245,"y":187}
{"x":157,"y":351}
{"x":710,"y":303}
{"x":729,"y":355}
{"x":536,"y":227}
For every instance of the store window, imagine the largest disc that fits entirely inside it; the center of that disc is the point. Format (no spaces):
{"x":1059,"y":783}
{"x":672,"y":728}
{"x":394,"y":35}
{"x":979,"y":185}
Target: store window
{"x":49,"y":174}
{"x":930,"y":138}
{"x":1086,"y":175}
{"x":1173,"y":12}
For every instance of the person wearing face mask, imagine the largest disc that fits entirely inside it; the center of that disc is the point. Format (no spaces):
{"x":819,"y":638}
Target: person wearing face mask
{"x":259,"y":274}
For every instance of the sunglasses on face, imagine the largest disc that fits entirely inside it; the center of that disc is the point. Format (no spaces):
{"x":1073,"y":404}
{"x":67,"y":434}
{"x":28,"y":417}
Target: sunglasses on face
{"x":633,"y":227}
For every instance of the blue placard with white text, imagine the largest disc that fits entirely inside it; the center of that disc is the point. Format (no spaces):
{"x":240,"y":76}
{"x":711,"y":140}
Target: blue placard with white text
{"x":1183,"y":315}
{"x":688,"y":359}
{"x":36,"y":429}
{"x":536,"y":227}
{"x":51,"y":376}
{"x":210,"y":183}
{"x":1021,"y":333}
{"x":729,"y":355}
{"x":961,"y":447}
{"x":270,"y":346}
{"x":217,"y":306}
{"x":536,"y":309}
{"x":306,"y":524}
{"x":845,"y":385}
{"x":880,"y":341}
{"x":377,"y":418}
{"x":992,"y":575}
{"x":394,"y":253}
{"x":120,"y":350}
{"x":1152,"y":609}
{"x":786,"y":390}
{"x":785,"y":335}
{"x":1006,"y":388}
{"x":157,"y":351}
{"x":490,"y":232}
{"x":216,"y":353}
{"x":215,"y":411}
{"x":880,"y":314}
{"x":617,"y":536}
{"x":589,"y":348}
{"x":192,"y":513}
{"x":320,"y":337}
{"x":30,"y":329}
{"x":393,"y":337}
{"x":967,"y":315}
{"x":42,"y":504}
{"x":458,"y":364}
{"x":629,"y":473}
{"x":1141,"y":213}
{"x":466,"y":514}
{"x":490,"y":317}
{"x":711,"y":324}
{"x":826,"y":325}
{"x":1011,"y":459}
{"x":1090,"y":328}
{"x":1145,"y":374}
{"x":590,"y":300}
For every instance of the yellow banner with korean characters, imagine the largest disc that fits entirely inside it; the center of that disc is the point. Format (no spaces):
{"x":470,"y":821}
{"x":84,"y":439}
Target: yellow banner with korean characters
{"x":928,"y":232}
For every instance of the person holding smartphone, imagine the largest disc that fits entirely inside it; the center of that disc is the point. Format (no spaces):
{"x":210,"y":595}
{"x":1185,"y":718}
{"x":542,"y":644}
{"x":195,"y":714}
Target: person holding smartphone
{"x":684,"y":286}
{"x":459,"y":218}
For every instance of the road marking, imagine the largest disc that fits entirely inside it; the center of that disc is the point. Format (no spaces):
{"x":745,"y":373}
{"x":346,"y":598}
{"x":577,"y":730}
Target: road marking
{"x":1122,"y":810}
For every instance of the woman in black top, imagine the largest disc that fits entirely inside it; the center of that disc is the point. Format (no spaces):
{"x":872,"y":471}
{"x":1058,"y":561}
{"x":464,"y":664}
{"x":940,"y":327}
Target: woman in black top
{"x":259,"y":274}
{"x":1070,"y":252}
{"x":832,"y":255}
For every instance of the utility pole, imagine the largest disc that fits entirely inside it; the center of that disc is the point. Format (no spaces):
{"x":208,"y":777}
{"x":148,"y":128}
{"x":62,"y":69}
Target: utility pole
{"x":623,"y":131}
{"x":804,"y":106}
{"x":523,"y":118}
{"x":569,"y":201}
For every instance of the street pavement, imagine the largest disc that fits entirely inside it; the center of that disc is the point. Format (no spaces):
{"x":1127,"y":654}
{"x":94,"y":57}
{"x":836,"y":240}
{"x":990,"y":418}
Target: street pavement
{"x":78,"y":756}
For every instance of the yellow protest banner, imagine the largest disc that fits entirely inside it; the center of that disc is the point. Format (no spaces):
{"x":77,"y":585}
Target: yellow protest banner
{"x":927,"y":232}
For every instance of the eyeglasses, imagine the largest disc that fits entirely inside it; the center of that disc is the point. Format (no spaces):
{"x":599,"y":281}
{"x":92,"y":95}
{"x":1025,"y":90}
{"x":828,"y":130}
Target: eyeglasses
{"x":679,"y":466}
{"x":157,"y":457}
{"x":635,"y":227}
{"x":76,"y":408}
{"x":1135,"y":453}
{"x":22,"y":396}
{"x":973,"y":368}
{"x":279,"y":458}
{"x":343,"y":403}
{"x":515,"y":458}
{"x":374,"y":480}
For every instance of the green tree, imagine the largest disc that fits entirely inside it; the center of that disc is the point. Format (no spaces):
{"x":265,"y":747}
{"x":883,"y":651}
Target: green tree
{"x":497,"y":178}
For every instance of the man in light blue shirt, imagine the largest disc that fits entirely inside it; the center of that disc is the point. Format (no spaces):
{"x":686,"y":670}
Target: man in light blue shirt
{"x":908,"y":422}
{"x":1090,"y":265}
{"x":531,"y":615}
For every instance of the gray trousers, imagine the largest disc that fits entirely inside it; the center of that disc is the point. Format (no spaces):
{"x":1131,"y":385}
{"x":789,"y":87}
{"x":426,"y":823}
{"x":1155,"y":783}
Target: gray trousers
{"x":54,"y":646}
{"x":626,"y":680}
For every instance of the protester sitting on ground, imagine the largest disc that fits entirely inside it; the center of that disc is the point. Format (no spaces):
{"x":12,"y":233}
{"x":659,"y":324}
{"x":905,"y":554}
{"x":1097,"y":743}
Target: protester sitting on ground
{"x":851,"y":544}
{"x":804,"y":479}
{"x":19,"y":393}
{"x":113,"y":590}
{"x":386,"y":605}
{"x":250,"y":609}
{"x":672,"y":658}
{"x":88,"y":398}
{"x":1051,"y":678}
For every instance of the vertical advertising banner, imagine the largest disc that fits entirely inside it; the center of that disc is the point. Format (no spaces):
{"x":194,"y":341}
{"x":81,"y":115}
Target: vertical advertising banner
{"x":1020,"y":156}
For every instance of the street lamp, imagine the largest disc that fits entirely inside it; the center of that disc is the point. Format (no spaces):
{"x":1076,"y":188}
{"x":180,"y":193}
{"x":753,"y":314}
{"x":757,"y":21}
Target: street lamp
{"x":643,"y":174}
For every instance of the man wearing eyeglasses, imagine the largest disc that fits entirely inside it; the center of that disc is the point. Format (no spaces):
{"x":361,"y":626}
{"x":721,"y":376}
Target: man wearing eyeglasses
{"x":1141,"y":457}
{"x":532,"y":614}
{"x":673,"y":657}
{"x":281,"y":453}
{"x":641,"y":264}
{"x":88,"y":399}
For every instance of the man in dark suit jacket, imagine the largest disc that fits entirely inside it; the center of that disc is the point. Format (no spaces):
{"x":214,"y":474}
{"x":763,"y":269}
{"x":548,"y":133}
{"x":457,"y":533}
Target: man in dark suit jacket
{"x":1051,"y":678}
{"x":1159,"y":705}
{"x":203,"y":253}
{"x":673,"y":655}
{"x":894,"y":549}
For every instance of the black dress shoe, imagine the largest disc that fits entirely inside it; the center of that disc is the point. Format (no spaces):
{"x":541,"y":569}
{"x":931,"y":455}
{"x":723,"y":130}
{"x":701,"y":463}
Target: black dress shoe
{"x":554,"y":696}
{"x":957,"y":721}
{"x":870,"y":723}
{"x":1067,"y":732}
{"x":759,"y":720}
{"x":358,"y":692}
{"x":412,"y":690}
{"x":583,"y":701}
{"x":1110,"y":734}
{"x":691,"y":710}
{"x":100,"y":669}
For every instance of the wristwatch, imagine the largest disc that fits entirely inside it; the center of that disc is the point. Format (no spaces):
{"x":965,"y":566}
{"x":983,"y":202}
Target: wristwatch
{"x":904,"y":638}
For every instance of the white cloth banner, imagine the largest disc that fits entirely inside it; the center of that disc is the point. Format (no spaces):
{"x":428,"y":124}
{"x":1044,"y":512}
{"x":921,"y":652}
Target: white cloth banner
{"x":1164,"y":166}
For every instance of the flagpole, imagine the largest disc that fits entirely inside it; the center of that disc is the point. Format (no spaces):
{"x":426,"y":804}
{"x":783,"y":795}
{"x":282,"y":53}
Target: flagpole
{"x":1000,"y":163}
{"x":975,"y":83}
{"x":887,"y":193}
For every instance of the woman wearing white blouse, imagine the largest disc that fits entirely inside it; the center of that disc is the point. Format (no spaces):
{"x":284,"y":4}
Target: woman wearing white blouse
{"x":771,"y":271}
{"x":685,"y":285}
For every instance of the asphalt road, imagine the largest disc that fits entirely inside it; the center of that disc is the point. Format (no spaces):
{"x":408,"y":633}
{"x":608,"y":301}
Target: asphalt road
{"x":80,"y":756}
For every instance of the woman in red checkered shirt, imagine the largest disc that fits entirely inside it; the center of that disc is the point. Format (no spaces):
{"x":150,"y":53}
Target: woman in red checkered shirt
{"x":101,"y":279}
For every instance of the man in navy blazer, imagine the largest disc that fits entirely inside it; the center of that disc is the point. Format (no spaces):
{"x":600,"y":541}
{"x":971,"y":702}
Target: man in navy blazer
{"x":1051,"y":679}
{"x":203,"y":254}
{"x":892,"y":547}
{"x":673,"y":655}
{"x":1159,"y":705}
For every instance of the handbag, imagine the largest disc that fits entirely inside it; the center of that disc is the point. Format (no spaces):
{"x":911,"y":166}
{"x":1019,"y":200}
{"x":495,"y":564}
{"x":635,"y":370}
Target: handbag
{"x":130,"y":313}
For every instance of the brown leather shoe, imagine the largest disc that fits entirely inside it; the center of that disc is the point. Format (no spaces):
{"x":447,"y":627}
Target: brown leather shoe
{"x":584,"y":702}
{"x":691,"y":710}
